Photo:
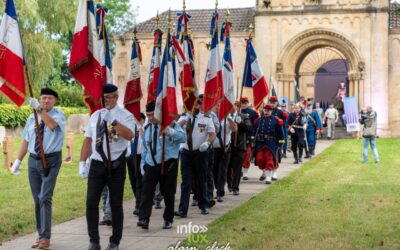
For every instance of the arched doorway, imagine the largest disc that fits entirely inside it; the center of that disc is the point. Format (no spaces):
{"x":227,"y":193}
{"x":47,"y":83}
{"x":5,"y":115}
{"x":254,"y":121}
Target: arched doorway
{"x":302,"y":46}
{"x":327,"y":79}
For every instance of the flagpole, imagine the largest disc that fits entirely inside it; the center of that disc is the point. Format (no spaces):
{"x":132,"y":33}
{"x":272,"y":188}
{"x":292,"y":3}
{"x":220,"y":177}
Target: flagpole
{"x":228,"y":13}
{"x":103,"y":25}
{"x":245,"y":74}
{"x":26,"y":71}
{"x":163,"y":136}
{"x":44,"y":162}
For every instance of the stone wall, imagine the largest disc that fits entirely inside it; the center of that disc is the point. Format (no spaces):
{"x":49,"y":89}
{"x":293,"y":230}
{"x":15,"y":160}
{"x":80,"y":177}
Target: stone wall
{"x":394,"y":82}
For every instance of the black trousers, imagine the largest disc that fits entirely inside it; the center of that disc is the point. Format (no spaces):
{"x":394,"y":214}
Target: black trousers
{"x":193,"y":163}
{"x":235,"y":169}
{"x":135,"y":177}
{"x":167,"y":181}
{"x":210,"y":175}
{"x":98,"y":178}
{"x":221,"y":162}
{"x":297,"y":143}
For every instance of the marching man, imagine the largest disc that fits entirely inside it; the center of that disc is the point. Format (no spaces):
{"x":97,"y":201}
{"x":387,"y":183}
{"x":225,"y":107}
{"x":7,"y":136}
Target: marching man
{"x":100,"y":173}
{"x":269,"y":137}
{"x":51,"y":124}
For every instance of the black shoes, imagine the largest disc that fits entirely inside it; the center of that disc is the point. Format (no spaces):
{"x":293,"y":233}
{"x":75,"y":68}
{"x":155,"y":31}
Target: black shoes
{"x":235,"y":192}
{"x":167,"y":225}
{"x":194,"y":203}
{"x":220,"y":199}
{"x":262,"y":177}
{"x":136,"y":212}
{"x":94,"y":246}
{"x":211,"y":203}
{"x":204,"y":211}
{"x":180,"y":214}
{"x":296,"y":161}
{"x":284,"y":155}
{"x":143,"y":223}
{"x":158,"y":205}
{"x":245,"y":178}
{"x":112,"y":246}
{"x":105,"y":223}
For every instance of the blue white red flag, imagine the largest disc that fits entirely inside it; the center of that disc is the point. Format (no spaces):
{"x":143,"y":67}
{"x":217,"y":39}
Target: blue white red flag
{"x":227,"y":73}
{"x":133,"y":92}
{"x":214,"y":87}
{"x":154,"y":73}
{"x":166,"y":108}
{"x":87,"y":62}
{"x":253,"y":76}
{"x":12,"y":77}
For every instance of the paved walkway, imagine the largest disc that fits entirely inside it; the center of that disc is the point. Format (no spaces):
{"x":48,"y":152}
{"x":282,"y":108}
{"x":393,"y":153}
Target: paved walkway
{"x":72,"y":235}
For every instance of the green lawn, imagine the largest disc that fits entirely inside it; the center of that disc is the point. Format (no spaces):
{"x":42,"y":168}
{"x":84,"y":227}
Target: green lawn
{"x":16,"y":204}
{"x":332,"y":202}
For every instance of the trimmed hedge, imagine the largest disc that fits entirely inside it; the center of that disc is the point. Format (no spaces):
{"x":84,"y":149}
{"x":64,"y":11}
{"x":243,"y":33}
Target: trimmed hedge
{"x":13,"y":116}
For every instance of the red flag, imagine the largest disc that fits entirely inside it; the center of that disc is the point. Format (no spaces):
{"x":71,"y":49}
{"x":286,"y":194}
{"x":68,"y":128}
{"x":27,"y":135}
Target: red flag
{"x":133,"y":93}
{"x":12,"y":78}
{"x":91,"y":103}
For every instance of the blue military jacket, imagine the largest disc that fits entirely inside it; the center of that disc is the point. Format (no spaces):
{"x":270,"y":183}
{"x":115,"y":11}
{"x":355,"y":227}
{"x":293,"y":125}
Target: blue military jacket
{"x":313,"y":121}
{"x":268,"y":133}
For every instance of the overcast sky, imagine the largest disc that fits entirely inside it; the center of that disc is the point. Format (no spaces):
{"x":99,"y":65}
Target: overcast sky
{"x":148,"y":8}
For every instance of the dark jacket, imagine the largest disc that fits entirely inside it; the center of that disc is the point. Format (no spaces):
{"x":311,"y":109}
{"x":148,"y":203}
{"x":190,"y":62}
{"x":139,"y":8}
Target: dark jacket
{"x":244,"y":127}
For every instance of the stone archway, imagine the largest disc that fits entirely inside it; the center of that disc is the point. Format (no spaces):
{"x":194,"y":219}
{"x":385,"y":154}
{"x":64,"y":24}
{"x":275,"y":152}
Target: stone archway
{"x":304,"y":43}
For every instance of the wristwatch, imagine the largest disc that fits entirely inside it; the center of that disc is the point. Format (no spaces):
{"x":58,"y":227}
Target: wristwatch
{"x":39,"y":109}
{"x":115,"y":122}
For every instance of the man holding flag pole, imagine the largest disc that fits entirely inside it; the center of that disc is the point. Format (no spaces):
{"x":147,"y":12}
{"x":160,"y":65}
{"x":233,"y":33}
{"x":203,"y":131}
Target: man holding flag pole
{"x":44,"y":130}
{"x":221,"y":145}
{"x":109,"y":130}
{"x":253,"y":78}
{"x":161,"y":141}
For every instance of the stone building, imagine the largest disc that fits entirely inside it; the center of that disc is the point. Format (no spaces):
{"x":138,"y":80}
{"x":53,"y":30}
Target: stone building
{"x":315,"y":44}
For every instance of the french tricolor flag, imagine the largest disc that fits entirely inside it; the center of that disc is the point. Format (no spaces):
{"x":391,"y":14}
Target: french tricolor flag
{"x":154,"y":73}
{"x":227,"y":73}
{"x":133,"y":92}
{"x":166,"y":108}
{"x":86,"y":57}
{"x":253,"y":77}
{"x":214,"y":87}
{"x":12,"y":81}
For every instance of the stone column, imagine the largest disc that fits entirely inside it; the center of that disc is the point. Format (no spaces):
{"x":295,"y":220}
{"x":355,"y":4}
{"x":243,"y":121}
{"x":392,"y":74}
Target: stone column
{"x":361,"y":93}
{"x":280,"y":87}
{"x":291,"y":91}
{"x":356,"y":91}
{"x":286,"y":88}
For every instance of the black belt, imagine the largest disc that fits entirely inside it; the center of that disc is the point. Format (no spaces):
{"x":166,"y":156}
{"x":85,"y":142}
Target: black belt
{"x":115,"y":163}
{"x":193,"y":151}
{"x":39,"y":157}
{"x":263,"y":137}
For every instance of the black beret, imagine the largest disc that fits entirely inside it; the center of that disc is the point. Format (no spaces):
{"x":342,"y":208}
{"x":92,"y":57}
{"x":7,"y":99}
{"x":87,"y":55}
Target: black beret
{"x":151,"y":106}
{"x":109,"y":88}
{"x":201,"y":96}
{"x":48,"y":91}
{"x":142,"y":116}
